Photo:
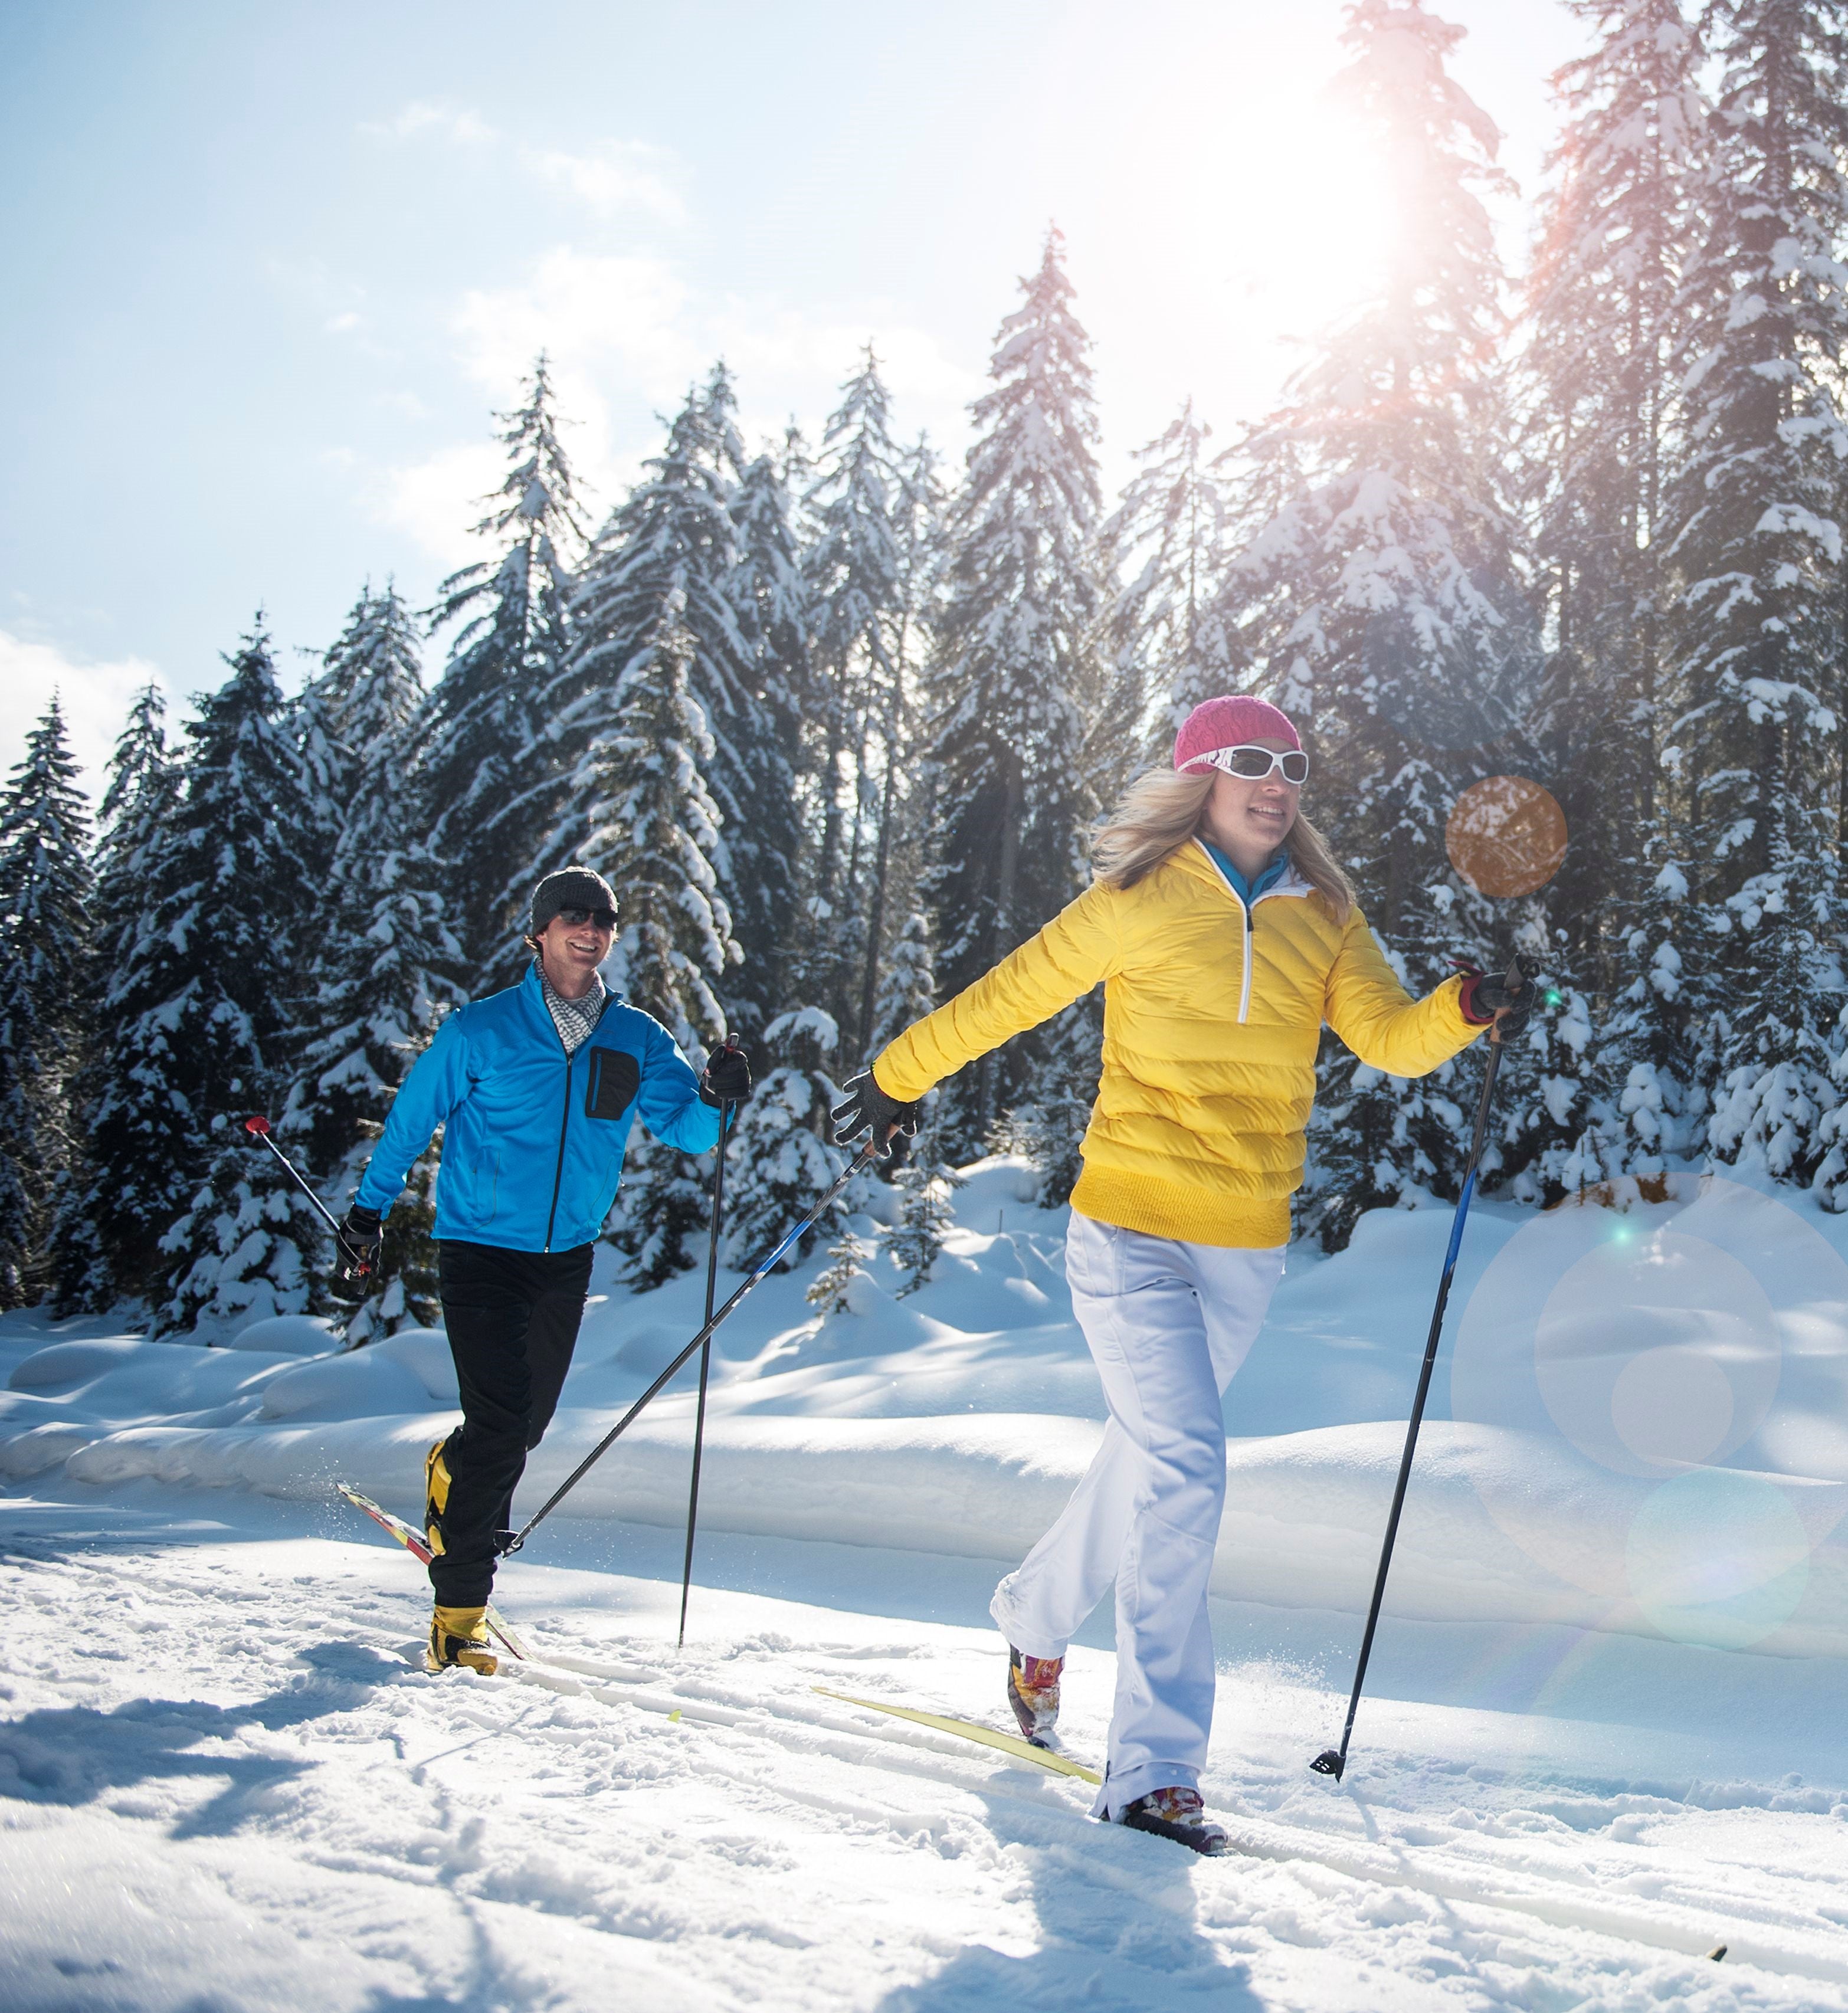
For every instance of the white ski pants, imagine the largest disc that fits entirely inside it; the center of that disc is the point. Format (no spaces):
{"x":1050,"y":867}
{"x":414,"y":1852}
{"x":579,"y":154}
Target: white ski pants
{"x":1168,"y":1325}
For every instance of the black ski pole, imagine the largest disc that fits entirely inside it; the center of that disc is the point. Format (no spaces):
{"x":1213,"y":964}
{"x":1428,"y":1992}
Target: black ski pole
{"x":705,"y":1356}
{"x":871,"y":1151}
{"x":1333,"y":1760}
{"x":258,"y":1127}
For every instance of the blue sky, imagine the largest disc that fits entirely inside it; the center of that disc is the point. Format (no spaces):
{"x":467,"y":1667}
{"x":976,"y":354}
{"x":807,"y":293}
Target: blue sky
{"x":270,"y":270}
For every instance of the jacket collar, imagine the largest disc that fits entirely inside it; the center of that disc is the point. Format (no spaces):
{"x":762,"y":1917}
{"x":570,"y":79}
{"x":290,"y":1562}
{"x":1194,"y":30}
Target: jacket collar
{"x":1194,"y":859}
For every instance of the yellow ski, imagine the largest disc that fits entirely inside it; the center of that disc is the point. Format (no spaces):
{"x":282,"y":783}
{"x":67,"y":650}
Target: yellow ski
{"x":968,"y":1729}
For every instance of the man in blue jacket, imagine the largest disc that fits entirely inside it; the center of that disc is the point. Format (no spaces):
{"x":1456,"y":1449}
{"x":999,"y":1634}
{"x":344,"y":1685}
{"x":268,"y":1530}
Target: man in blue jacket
{"x":536,"y":1088}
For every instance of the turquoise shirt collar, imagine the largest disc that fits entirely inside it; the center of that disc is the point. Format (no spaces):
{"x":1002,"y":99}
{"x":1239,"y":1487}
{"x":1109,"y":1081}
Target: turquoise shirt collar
{"x":1248,"y":892}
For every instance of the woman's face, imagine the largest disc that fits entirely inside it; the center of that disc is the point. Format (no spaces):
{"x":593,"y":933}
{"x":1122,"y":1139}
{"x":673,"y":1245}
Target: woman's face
{"x":1250,"y":818}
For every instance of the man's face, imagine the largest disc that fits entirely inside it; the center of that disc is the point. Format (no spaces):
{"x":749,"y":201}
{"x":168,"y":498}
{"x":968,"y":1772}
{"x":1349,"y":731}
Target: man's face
{"x":572,"y":944}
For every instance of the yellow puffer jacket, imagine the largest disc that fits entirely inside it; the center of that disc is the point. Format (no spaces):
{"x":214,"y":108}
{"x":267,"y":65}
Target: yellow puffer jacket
{"x":1212,"y":1016}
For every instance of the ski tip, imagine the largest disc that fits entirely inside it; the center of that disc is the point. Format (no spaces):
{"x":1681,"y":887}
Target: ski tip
{"x":1329,"y":1762}
{"x":1718,"y":1952}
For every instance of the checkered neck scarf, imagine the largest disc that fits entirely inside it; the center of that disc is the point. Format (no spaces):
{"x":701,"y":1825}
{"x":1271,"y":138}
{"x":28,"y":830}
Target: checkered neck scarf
{"x":575,"y":1018}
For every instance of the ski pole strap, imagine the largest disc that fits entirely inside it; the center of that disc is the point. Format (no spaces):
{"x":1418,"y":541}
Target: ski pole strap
{"x":862,"y":1159}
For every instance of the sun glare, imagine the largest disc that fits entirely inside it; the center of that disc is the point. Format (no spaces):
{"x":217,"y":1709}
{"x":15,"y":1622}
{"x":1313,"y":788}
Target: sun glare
{"x":1241,"y":215}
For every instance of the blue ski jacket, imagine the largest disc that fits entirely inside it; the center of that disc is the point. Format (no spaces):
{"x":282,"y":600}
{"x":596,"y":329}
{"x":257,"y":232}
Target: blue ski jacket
{"x":533,"y":1143}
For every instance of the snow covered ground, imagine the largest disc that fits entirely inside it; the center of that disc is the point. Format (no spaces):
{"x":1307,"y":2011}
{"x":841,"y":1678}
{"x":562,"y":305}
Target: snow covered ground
{"x":1604,"y":1731}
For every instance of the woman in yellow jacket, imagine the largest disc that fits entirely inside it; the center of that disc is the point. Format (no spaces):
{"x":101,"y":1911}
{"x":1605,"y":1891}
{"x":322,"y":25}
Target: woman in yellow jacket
{"x":1225,"y":934}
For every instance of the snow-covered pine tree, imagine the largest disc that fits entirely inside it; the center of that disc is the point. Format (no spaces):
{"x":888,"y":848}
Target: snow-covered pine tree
{"x":922,"y":506}
{"x":926,"y":1182}
{"x":1549,"y":1132}
{"x":770,"y":598}
{"x":1759,"y":629}
{"x":1784,"y":997}
{"x":782,"y":1157}
{"x":908,"y":991}
{"x":387,"y":965}
{"x":47,"y":978}
{"x":908,"y":809}
{"x":675,"y":534}
{"x":203,"y":1006}
{"x":1170,"y":643}
{"x":1017,"y":680}
{"x":653,"y":830}
{"x":654,"y":827}
{"x":490,"y":762}
{"x":1375,"y":584}
{"x":104,"y":1252}
{"x":1607,"y":331}
{"x":856,"y":582}
{"x":368,"y":694}
{"x":1646,"y":1066}
{"x":831,"y":1289}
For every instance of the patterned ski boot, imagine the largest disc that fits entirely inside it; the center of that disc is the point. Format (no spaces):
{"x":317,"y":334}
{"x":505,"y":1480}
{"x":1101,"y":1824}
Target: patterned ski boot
{"x":1033,"y":1692}
{"x":436,"y":1496}
{"x":1179,"y":1814}
{"x":458,"y":1635}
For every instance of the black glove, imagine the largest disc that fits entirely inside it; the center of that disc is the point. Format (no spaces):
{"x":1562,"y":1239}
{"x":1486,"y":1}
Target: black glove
{"x":728,"y":1077}
{"x":361,"y":1232}
{"x":866,"y":1105}
{"x":1487,"y":994}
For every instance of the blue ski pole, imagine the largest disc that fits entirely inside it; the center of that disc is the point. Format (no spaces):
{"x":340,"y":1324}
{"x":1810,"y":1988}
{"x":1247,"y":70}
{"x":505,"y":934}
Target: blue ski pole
{"x":1333,"y":1760}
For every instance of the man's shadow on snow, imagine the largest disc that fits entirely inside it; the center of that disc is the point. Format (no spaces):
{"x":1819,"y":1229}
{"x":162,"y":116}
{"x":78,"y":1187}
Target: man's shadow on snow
{"x":73,"y":1755}
{"x":1116,"y":1913}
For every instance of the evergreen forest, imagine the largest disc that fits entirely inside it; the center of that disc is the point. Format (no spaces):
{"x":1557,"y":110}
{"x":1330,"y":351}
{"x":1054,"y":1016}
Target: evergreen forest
{"x":835,"y":715}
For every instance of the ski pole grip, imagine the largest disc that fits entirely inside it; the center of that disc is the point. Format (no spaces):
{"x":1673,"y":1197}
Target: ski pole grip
{"x":1514,"y":978}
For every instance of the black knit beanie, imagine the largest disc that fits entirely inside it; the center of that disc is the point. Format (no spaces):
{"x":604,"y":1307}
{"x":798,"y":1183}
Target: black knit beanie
{"x":570,"y":887}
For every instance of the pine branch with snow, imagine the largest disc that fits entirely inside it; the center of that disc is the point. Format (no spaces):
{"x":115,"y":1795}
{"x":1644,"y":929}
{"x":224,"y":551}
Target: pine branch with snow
{"x":782,"y":1156}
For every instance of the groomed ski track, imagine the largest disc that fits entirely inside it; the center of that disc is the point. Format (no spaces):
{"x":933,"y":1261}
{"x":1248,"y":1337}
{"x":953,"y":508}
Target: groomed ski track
{"x":220,"y":1754}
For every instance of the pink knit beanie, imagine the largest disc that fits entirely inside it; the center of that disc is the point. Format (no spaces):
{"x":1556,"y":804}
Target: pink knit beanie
{"x":1228,"y":723}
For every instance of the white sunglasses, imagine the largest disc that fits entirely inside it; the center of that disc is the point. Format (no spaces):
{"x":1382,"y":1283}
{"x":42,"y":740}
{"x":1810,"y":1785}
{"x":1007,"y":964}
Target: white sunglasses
{"x":1253,"y":762}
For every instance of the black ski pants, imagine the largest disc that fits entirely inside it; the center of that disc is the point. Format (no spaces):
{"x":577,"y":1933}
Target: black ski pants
{"x":512,"y":1318}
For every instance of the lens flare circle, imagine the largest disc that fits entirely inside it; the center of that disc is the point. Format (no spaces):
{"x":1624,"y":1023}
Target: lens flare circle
{"x":1655,"y":1350}
{"x":1506,"y":835}
{"x":1718,"y":1556}
{"x":1648,"y":1396}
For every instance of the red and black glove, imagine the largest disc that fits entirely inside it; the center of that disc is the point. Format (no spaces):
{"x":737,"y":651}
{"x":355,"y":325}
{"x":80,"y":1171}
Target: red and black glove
{"x":1488,"y":996}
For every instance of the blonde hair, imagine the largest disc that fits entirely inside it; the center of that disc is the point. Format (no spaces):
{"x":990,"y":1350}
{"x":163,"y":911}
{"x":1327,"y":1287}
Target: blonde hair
{"x":1161,"y":811}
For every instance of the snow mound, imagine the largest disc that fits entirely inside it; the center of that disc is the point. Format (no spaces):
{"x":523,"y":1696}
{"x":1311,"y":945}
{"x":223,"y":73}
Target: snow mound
{"x":1644,"y":1434}
{"x":71,"y":1363}
{"x":288,"y":1335}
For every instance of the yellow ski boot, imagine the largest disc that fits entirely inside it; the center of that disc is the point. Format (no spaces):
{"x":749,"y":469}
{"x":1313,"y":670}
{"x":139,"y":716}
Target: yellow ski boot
{"x":458,"y":1635}
{"x":436,"y":1496}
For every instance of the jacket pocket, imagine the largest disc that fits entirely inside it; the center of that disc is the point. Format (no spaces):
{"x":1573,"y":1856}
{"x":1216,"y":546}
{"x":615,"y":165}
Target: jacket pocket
{"x":615,"y":1077}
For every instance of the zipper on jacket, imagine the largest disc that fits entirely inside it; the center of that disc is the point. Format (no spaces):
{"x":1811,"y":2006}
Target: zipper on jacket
{"x":558,"y":1173}
{"x":1245,"y":910}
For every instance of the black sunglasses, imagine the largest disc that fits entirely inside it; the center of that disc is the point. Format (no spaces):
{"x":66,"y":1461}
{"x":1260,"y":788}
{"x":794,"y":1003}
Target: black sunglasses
{"x":575,"y":918}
